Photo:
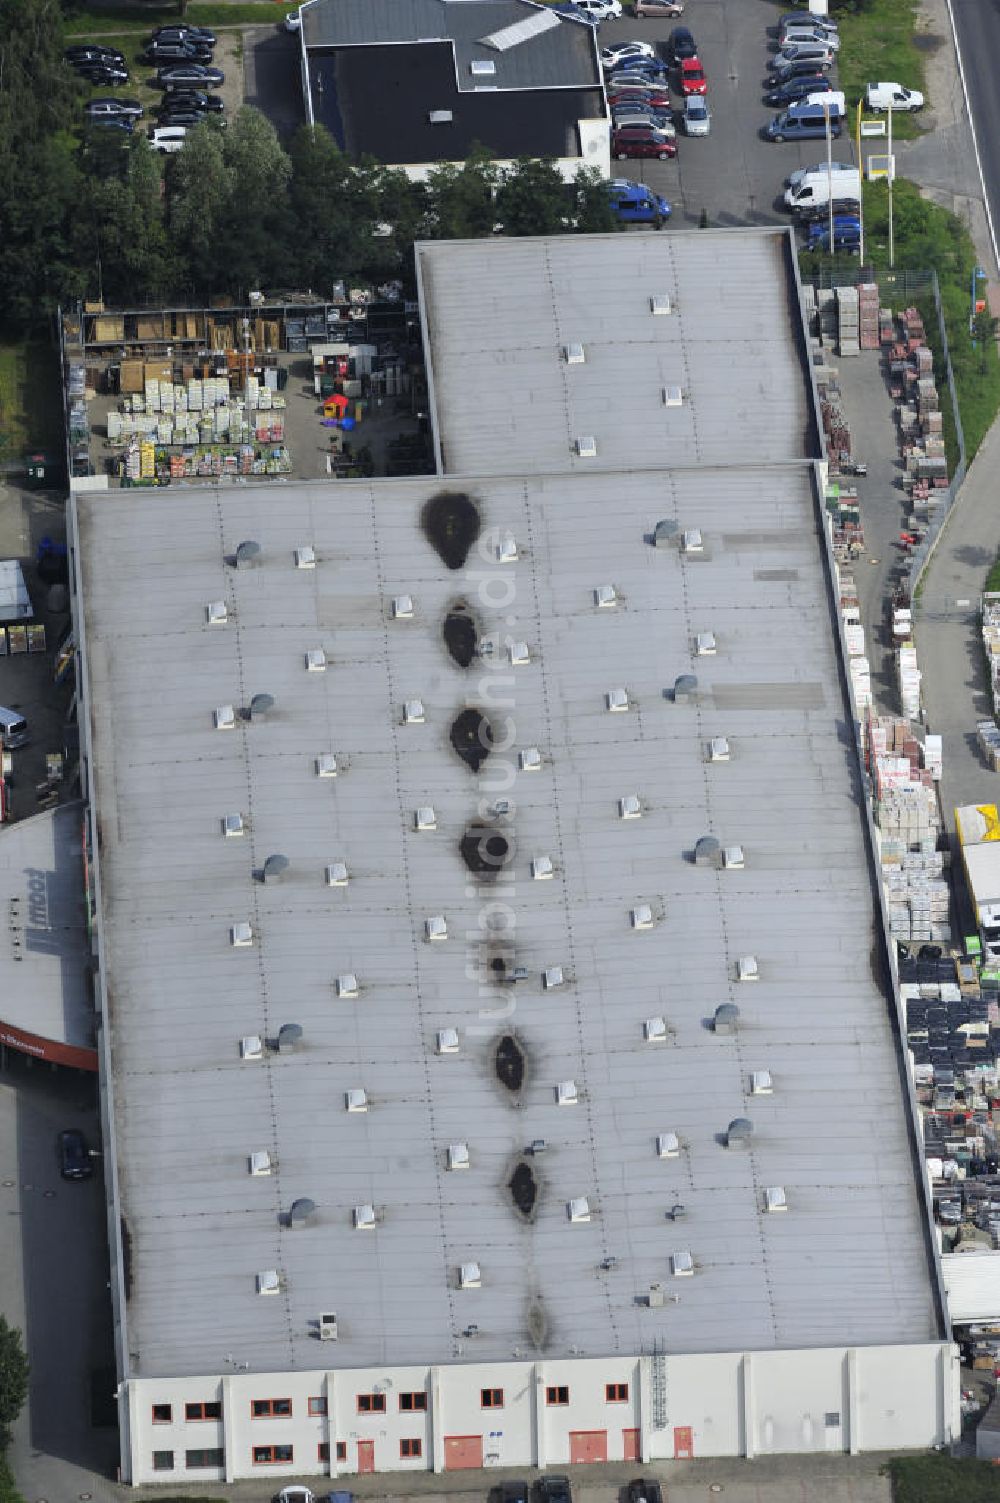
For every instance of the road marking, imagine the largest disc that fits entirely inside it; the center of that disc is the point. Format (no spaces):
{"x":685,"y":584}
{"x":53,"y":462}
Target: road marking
{"x":975,"y":142}
{"x":963,"y":602}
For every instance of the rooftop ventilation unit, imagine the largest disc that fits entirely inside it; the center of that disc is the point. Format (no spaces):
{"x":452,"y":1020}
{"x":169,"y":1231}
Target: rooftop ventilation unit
{"x":356,"y":1100}
{"x":261,"y":706}
{"x":269,"y":1282}
{"x":718,"y":749}
{"x":677,"y":1213}
{"x":733,"y":858}
{"x":706,"y":851}
{"x":248,"y":555}
{"x":289,"y":1037}
{"x":553,"y":977}
{"x":470,"y":1276}
{"x":425,"y":818}
{"x":654,"y":1030}
{"x":482,"y":67}
{"x":616,"y":700}
{"x":216,"y":613}
{"x":241,"y":935}
{"x":520,"y":31}
{"x":542,"y":869}
{"x":252,"y":1046}
{"x":761,"y":1083}
{"x":439,"y":117}
{"x":402,"y":607}
{"x":605,"y":596}
{"x":586,"y":446}
{"x":629,"y":807}
{"x":673,"y":396}
{"x":336,"y":874}
{"x":681,"y":1264}
{"x":692,"y":541}
{"x":275,"y":868}
{"x":660,"y":305}
{"x":225,"y":718}
{"x":457,"y":1156}
{"x":747,"y":968}
{"x":685,"y":688}
{"x":664,"y":533}
{"x":530,"y":759}
{"x":573,"y":354}
{"x":232,"y":826}
{"x":726,"y":1019}
{"x":316,"y":660}
{"x":775,"y":1199}
{"x":641,"y":916}
{"x":413,"y":712}
{"x":364,"y":1218}
{"x":327,"y":1324}
{"x":435,"y":928}
{"x":301,"y":1213}
{"x":578,"y":1209}
{"x":346,"y":985}
{"x":259,"y":1163}
{"x":566,"y":1093}
{"x":654,"y":1299}
{"x":518,"y":654}
{"x":305,"y":557}
{"x":739,"y":1133}
{"x":705,"y":644}
{"x":667,"y":1145}
{"x":326,"y":765}
{"x":507,"y":549}
{"x":447,"y":1041}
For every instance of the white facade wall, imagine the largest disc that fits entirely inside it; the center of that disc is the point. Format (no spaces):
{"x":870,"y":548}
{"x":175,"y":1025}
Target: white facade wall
{"x":718,"y":1404}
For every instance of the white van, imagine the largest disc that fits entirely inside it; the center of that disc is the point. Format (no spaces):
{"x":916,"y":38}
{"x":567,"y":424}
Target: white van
{"x":818,"y":186}
{"x":833,"y":100}
{"x":167,"y":138}
{"x":13,"y":729}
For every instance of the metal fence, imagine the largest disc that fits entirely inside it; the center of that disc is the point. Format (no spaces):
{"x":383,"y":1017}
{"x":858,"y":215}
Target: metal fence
{"x":897,"y":288}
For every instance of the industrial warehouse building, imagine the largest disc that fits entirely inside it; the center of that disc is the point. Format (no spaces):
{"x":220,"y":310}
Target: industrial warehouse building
{"x":499,"y":1045}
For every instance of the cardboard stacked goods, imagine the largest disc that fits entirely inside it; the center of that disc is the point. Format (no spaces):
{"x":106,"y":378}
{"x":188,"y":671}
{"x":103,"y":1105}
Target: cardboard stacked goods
{"x":908,"y":675}
{"x":991,"y":641}
{"x":868,"y":315}
{"x":988,"y":737}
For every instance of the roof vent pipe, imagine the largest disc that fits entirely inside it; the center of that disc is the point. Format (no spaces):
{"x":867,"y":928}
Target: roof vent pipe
{"x":247,"y":555}
{"x":274,"y":868}
{"x":301,"y":1213}
{"x":727,"y":1017}
{"x":260,"y":706}
{"x":706,"y":851}
{"x":289,"y":1037}
{"x":739,"y":1133}
{"x":664,"y":533}
{"x":685,"y":688}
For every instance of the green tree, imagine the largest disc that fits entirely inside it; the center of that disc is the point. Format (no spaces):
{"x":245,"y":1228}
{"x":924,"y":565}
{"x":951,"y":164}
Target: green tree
{"x":460,"y":200}
{"x":13,"y":1379}
{"x":328,"y":205}
{"x":593,"y":207}
{"x":198,"y":193}
{"x":122,"y":229}
{"x":252,"y":239}
{"x":533,"y":199}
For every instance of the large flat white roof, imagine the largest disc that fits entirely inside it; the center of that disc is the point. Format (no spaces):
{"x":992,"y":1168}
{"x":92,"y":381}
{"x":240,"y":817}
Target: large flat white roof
{"x":499,"y":314}
{"x":847,"y":1262}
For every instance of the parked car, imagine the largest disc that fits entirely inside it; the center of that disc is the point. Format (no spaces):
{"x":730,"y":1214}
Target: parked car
{"x":892,"y":96}
{"x":641,"y":141}
{"x":104,"y":75}
{"x":798,"y":88}
{"x":801,"y":173}
{"x":187,"y":118}
{"x":807,"y":33}
{"x":177,"y":52}
{"x":552,"y":1489}
{"x":645,"y":71}
{"x":798,"y":17}
{"x":659,"y":99}
{"x":167,"y":138}
{"x":653,"y":8}
{"x":642,"y":114}
{"x":89,"y":53}
{"x":803,"y":127}
{"x":199,"y":34}
{"x":697,"y":119}
{"x":644,"y":1490}
{"x":692,"y":77}
{"x":816,"y":213}
{"x":681,"y":44}
{"x":634,"y":203}
{"x":75,"y":1161}
{"x":515,"y":1491}
{"x":846,"y":234}
{"x":110,"y":109}
{"x":805,"y":52}
{"x":613,"y":57}
{"x":192,"y":99}
{"x":196,"y":75}
{"x":599,"y":10}
{"x":292,"y":22}
{"x":783,"y":73}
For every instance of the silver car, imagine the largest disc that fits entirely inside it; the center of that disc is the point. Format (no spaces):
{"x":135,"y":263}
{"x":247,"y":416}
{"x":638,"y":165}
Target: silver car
{"x":697,"y":119}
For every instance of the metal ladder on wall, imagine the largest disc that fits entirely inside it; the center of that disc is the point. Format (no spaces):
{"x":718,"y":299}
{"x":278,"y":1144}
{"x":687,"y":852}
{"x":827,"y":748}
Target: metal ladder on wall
{"x":658,"y":1386}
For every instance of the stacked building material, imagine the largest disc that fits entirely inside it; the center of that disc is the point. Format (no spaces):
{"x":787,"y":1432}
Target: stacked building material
{"x":990,"y":606}
{"x":868,"y":315}
{"x":908,"y":677}
{"x":886,"y":327}
{"x":861,"y":682}
{"x":848,"y":330}
{"x":988,"y":738}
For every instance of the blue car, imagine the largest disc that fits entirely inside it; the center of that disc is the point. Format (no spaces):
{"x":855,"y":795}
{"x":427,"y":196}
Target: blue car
{"x":646,"y":68}
{"x":634,"y":203}
{"x":846,"y":234}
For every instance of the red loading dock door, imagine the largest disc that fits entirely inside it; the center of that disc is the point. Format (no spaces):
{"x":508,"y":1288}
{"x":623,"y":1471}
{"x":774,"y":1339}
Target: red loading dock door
{"x":588,"y":1445}
{"x":630,"y":1445}
{"x":683,"y":1443}
{"x":366,"y":1455}
{"x":462,"y":1452}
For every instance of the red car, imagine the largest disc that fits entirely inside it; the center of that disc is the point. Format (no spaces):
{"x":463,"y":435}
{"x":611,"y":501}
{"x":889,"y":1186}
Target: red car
{"x":640,"y":141}
{"x":658,"y":98}
{"x":693,"y":80}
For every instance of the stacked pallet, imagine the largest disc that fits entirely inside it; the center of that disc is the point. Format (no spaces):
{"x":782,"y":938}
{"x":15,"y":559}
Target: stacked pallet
{"x":908,"y":676}
{"x":848,"y":324}
{"x":868,"y":315}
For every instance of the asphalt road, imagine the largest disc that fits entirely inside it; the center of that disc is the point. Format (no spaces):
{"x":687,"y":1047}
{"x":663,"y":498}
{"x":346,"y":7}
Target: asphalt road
{"x":977,"y":23}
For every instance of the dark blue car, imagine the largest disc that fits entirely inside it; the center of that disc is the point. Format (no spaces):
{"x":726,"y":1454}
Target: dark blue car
{"x":846,"y":234}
